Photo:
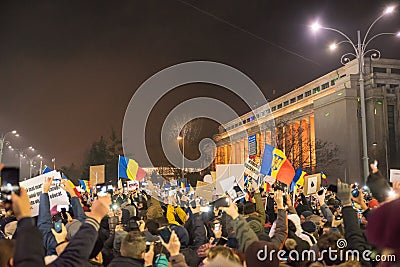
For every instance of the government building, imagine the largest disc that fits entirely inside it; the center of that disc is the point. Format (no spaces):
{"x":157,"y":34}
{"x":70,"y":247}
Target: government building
{"x":318,"y":125}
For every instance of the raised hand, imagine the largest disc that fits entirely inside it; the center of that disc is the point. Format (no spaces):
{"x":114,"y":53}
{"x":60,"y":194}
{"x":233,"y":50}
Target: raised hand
{"x":48,"y":181}
{"x":21,"y":205}
{"x":173,"y":245}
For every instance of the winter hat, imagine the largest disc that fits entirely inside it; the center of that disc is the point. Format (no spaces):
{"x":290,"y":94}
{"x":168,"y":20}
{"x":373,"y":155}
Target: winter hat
{"x":252,"y":252}
{"x":383,"y":228}
{"x":306,"y":213}
{"x":182,"y":234}
{"x":72,"y":228}
{"x":373,"y":203}
{"x":53,"y":210}
{"x":256,"y":226}
{"x":309,"y":227}
{"x":249,"y":208}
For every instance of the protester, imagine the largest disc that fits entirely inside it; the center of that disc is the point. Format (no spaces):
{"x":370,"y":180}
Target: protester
{"x":151,"y":229}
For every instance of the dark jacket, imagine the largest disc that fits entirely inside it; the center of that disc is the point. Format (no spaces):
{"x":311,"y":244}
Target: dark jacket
{"x":32,"y":253}
{"x":378,"y":185}
{"x":197,"y":231}
{"x":45,"y":224}
{"x":353,"y":234}
{"x":126,"y":262}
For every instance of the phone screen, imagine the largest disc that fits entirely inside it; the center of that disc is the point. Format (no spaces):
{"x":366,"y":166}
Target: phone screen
{"x":9,"y":182}
{"x":58,"y":226}
{"x":217,"y":227}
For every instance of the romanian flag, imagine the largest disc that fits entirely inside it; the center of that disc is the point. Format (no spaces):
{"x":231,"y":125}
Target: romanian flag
{"x":298,"y":179}
{"x":275,"y":164}
{"x":285,"y":173}
{"x":85,"y":185}
{"x":129,"y":169}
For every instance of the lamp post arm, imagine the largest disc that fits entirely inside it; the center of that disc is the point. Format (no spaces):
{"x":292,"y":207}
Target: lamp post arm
{"x":370,"y":27}
{"x":345,"y":36}
{"x":374,"y":37}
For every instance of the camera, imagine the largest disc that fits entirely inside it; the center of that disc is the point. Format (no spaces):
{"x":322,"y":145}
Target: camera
{"x":9,"y":183}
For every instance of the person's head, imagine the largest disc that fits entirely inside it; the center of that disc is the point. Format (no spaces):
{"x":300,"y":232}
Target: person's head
{"x":258,"y":254}
{"x":304,"y":215}
{"x":326,"y":241}
{"x":225,"y":252}
{"x":6,"y":252}
{"x":133,"y":245}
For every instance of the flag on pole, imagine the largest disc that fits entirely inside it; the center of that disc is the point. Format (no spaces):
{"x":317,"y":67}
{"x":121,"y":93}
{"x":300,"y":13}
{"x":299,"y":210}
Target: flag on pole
{"x":285,"y":173}
{"x":129,"y":169}
{"x":272,"y":161}
{"x":298,"y":179}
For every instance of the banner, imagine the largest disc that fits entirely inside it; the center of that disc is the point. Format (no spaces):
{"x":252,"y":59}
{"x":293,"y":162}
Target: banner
{"x":34,"y":188}
{"x":252,"y":145}
{"x":97,"y":175}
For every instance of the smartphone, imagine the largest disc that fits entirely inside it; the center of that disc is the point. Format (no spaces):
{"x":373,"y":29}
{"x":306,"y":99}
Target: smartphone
{"x":221,"y":202}
{"x":58,"y":226}
{"x":217,"y":227}
{"x":375,"y":164}
{"x":165,"y":234}
{"x":9,"y":183}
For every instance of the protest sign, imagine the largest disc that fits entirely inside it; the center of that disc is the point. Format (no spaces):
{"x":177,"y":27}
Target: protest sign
{"x":252,"y":169}
{"x":34,"y":188}
{"x":204,"y":190}
{"x":97,"y":174}
{"x":394,"y":175}
{"x":132,"y":185}
{"x":230,"y":186}
{"x":224,"y":171}
{"x":312,"y":184}
{"x":208,"y":178}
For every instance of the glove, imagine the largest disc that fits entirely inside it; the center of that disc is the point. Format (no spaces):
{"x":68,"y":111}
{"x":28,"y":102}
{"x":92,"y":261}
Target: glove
{"x":343,"y":193}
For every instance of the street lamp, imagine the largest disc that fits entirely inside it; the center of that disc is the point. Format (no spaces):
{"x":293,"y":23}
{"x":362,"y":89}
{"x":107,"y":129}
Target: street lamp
{"x":179,"y":138}
{"x":4,"y":142}
{"x":360,"y":51}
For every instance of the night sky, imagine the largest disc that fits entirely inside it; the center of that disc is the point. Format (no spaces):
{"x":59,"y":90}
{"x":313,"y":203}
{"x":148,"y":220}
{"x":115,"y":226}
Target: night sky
{"x":69,"y":68}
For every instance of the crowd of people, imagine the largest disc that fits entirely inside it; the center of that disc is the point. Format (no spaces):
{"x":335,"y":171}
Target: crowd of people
{"x":140,"y":228}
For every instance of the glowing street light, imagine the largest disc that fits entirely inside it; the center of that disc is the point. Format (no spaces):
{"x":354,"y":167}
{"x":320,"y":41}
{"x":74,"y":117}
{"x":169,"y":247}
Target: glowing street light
{"x":360,"y":50}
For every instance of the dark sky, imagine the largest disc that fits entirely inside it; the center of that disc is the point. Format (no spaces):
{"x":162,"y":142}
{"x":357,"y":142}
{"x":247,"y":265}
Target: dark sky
{"x":69,"y":68}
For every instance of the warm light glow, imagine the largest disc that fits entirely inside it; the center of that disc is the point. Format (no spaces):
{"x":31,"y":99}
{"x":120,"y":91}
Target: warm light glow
{"x":10,"y":147}
{"x":333,"y":46}
{"x":17,"y":135}
{"x":14,"y":132}
{"x":31,"y":148}
{"x":315,"y":26}
{"x":398,"y":34}
{"x":389,"y":10}
{"x":179,"y":138}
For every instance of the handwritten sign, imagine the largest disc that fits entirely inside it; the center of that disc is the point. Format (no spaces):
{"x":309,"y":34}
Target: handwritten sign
{"x":34,"y":188}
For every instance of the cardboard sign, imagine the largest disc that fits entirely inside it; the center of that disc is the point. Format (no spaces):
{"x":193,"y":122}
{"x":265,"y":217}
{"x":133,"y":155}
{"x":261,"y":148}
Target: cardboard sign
{"x":312,"y":184}
{"x":394,"y":175}
{"x":97,"y":174}
{"x":252,"y":169}
{"x":204,"y":190}
{"x":34,"y":188}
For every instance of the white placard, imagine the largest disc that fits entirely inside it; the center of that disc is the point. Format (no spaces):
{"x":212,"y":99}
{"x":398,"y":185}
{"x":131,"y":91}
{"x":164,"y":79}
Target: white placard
{"x":132,"y":185}
{"x":34,"y":188}
{"x":252,"y":169}
{"x":394,"y":175}
{"x":225,"y":171}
